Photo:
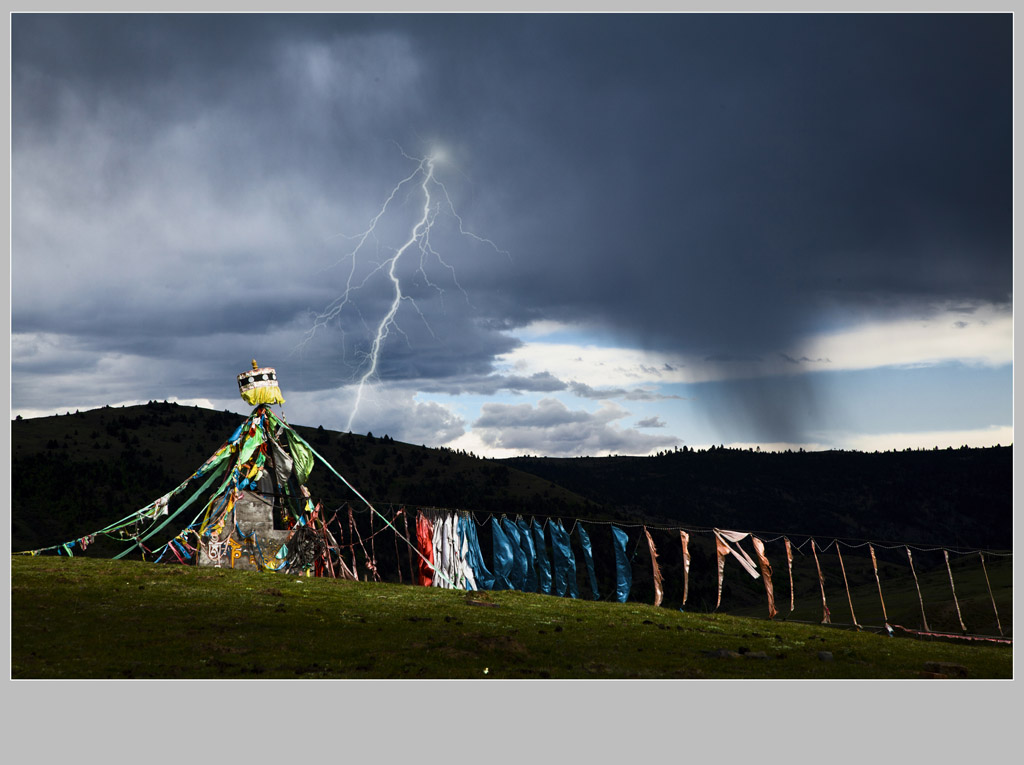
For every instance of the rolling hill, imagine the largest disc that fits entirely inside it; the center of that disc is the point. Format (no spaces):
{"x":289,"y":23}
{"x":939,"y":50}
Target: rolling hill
{"x":75,"y":472}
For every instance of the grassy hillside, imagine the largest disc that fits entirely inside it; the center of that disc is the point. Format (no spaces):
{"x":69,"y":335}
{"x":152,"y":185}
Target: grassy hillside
{"x":87,"y":618}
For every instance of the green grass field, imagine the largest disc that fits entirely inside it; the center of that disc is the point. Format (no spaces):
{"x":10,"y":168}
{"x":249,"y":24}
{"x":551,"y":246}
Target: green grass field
{"x":89,"y":618}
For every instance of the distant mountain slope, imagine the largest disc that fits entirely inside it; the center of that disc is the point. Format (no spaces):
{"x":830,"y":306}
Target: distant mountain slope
{"x":74,"y":473}
{"x":959,"y":497}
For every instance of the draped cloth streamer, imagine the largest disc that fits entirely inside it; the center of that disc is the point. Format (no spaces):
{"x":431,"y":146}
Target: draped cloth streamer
{"x":482,"y":577}
{"x":517,"y":577}
{"x":738,"y":552}
{"x":723,"y":552}
{"x":989,"y":585}
{"x":789,"y":560}
{"x":529,"y":552}
{"x":723,"y":549}
{"x":874,"y":563}
{"x":658,"y":592}
{"x":564,"y":560}
{"x":588,"y":559}
{"x":766,"y":573}
{"x":441,"y":542}
{"x":425,"y":543}
{"x":821,"y":581}
{"x":465,"y":554}
{"x":924,"y":619}
{"x":623,"y":570}
{"x":543,"y":563}
{"x":502,"y":556}
{"x":847,"y":584}
{"x":952,"y":587}
{"x":685,"y":539}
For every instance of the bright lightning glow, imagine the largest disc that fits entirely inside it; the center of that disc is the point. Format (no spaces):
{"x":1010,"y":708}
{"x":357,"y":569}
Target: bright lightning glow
{"x":435,"y":202}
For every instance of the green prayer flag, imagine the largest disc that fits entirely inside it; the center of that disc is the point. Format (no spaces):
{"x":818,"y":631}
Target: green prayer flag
{"x":303,"y":457}
{"x":252,"y":443}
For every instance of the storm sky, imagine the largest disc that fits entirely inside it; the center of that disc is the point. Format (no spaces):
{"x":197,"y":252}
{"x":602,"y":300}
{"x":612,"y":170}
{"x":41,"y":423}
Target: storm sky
{"x":646,"y":231}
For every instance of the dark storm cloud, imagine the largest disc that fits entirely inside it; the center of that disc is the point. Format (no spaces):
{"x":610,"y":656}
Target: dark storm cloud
{"x":708,"y":184}
{"x":541,"y":382}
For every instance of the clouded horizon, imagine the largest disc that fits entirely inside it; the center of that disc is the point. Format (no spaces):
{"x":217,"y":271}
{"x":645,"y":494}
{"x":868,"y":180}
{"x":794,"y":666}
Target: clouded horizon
{"x":646,"y":231}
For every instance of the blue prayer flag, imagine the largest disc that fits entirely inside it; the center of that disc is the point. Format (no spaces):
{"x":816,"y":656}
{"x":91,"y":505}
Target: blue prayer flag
{"x":564,"y":561}
{"x":623,"y":569}
{"x":503,"y":559}
{"x":588,"y":559}
{"x":526,"y":542}
{"x":517,"y":578}
{"x":543,"y":564}
{"x":474,"y":555}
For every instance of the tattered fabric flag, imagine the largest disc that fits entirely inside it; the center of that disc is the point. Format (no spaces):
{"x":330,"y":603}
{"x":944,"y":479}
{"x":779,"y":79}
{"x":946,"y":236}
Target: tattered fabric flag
{"x":874,"y":564}
{"x":623,"y":570}
{"x":847,"y":584}
{"x":284,"y":464}
{"x":517,"y":577}
{"x":425,"y":543}
{"x":468,"y":577}
{"x":952,"y":587}
{"x":789,"y":560}
{"x":685,"y":539}
{"x":503,"y":558}
{"x":564,"y":560}
{"x":588,"y":559}
{"x":821,"y":581}
{"x":302,"y":457}
{"x":369,"y":560}
{"x":160,"y":506}
{"x":766,"y":573}
{"x":352,"y":539}
{"x":738,"y":552}
{"x":659,"y":594}
{"x":989,"y":585}
{"x":543,"y":564}
{"x":526,"y":543}
{"x":444,"y":556}
{"x":722,"y":549}
{"x":924,"y":619}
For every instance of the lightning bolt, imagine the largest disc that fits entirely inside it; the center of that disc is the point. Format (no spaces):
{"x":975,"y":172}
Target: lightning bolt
{"x":436,"y":201}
